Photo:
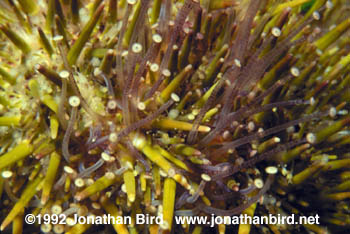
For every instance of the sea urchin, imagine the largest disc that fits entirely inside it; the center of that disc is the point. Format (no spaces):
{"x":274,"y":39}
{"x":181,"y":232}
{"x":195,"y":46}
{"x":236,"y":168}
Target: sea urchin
{"x":174,"y":108}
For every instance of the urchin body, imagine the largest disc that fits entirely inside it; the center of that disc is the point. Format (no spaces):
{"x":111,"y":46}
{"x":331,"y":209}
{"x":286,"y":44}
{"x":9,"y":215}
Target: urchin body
{"x":184,"y":108}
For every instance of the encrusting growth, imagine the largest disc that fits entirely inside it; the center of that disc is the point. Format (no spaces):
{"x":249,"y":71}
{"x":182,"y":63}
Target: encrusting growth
{"x":174,"y":108}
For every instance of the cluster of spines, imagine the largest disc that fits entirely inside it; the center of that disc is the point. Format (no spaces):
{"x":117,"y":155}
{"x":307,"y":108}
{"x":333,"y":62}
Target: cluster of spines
{"x":126,"y":68}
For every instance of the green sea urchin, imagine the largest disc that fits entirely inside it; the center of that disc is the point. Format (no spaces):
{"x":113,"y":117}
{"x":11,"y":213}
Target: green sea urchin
{"x":174,"y":108}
